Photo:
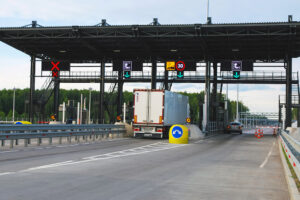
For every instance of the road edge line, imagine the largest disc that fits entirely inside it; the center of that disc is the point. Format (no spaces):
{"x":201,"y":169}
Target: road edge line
{"x":293,"y":191}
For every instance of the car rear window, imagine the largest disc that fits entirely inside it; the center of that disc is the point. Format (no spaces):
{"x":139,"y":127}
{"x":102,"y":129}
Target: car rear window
{"x":235,"y":123}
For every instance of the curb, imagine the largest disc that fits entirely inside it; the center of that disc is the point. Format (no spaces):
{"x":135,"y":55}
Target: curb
{"x":293,"y":191}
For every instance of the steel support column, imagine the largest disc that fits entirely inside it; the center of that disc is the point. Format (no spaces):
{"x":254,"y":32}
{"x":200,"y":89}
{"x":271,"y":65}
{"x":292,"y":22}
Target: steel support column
{"x":56,"y":97}
{"x":279,"y":114}
{"x":120,"y":92}
{"x":214,"y":94}
{"x":200,"y":114}
{"x":32,"y":88}
{"x":153,"y":75}
{"x":166,"y":81}
{"x":205,"y":121}
{"x":288,"y":93}
{"x":101,"y":98}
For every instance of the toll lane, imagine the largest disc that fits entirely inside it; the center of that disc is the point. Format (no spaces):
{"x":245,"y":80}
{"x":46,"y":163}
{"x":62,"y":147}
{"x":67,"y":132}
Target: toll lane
{"x":223,"y":167}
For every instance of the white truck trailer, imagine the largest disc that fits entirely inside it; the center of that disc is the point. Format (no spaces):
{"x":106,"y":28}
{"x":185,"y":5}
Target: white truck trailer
{"x":155,"y":111}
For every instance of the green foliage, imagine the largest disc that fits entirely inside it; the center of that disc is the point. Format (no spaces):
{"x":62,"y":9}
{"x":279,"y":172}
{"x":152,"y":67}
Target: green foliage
{"x":294,"y":113}
{"x":22,"y":96}
{"x":232,"y":109}
{"x":2,"y":115}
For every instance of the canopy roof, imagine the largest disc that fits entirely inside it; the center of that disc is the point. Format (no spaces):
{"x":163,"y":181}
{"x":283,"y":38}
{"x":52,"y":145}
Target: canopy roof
{"x":251,"y":41}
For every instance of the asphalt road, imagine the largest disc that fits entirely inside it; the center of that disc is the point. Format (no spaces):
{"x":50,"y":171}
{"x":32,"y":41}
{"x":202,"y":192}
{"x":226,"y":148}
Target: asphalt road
{"x":223,"y":167}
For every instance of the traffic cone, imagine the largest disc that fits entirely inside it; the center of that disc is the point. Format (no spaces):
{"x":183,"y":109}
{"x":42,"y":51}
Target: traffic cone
{"x":258,"y":135}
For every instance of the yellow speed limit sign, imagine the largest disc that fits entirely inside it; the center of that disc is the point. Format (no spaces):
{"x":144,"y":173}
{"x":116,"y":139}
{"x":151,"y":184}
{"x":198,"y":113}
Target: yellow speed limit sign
{"x":188,"y":120}
{"x":170,"y":66}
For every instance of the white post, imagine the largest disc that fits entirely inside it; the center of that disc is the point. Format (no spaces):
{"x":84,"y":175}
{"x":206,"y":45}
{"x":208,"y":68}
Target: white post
{"x":78,"y":113}
{"x":124,"y":113}
{"x":207,"y":8}
{"x":237,"y":103}
{"x":14,"y":102}
{"x":84,"y":103}
{"x":204,"y":121}
{"x":90,"y":105}
{"x":63,"y":112}
{"x":283,"y":117}
{"x":81,"y":99}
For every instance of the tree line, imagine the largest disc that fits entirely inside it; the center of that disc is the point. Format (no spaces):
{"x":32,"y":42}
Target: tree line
{"x":110,"y":99}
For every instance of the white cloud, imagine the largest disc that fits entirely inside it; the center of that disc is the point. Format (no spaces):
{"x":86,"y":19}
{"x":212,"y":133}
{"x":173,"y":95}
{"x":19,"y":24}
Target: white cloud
{"x":260,"y":100}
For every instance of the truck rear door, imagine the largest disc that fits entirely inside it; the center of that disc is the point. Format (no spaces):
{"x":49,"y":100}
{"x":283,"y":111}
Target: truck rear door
{"x":148,"y":106}
{"x":140,"y":106}
{"x":156,"y":107}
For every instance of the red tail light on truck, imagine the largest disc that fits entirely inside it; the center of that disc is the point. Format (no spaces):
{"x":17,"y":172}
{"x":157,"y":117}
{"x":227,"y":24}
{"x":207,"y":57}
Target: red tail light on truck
{"x":159,"y":130}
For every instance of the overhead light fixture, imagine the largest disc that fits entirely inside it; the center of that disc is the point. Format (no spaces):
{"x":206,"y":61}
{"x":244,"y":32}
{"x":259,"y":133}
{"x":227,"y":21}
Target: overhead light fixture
{"x":235,"y":50}
{"x":173,"y":50}
{"x":62,"y":51}
{"x":117,"y":50}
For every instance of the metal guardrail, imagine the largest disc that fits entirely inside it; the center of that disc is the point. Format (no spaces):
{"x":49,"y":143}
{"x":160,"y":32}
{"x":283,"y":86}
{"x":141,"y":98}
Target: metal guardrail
{"x":36,"y":131}
{"x":292,"y":148}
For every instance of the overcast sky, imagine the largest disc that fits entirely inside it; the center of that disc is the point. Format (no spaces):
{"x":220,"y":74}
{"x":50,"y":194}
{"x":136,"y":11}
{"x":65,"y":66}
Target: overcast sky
{"x":15,"y":66}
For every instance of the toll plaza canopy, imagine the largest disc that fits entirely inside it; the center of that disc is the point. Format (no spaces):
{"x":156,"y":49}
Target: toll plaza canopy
{"x":209,"y":43}
{"x":255,"y":41}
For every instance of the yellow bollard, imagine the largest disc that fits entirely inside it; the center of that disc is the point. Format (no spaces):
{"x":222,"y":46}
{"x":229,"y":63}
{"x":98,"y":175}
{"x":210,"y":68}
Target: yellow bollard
{"x":179,"y":134}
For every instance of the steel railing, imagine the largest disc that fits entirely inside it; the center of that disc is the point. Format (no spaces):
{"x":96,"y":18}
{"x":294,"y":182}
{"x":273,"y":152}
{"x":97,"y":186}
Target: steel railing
{"x":292,"y":149}
{"x":27,"y":132}
{"x":213,"y":127}
{"x":199,"y":75}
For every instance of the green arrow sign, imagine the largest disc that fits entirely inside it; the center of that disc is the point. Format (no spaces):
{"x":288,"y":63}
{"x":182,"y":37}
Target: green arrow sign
{"x":180,"y":75}
{"x":127,"y":75}
{"x":236,"y":75}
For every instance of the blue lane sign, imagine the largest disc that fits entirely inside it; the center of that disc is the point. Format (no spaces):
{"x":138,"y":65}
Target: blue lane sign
{"x":177,"y":132}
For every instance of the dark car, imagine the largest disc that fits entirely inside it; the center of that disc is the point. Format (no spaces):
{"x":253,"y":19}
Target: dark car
{"x":234,"y":127}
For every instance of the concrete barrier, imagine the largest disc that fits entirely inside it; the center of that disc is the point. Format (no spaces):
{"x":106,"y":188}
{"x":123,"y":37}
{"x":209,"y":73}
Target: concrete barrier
{"x":194,"y":132}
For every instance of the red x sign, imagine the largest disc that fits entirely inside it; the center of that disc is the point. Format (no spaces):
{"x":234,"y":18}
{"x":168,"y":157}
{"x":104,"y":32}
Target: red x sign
{"x":54,"y":73}
{"x":55,"y":66}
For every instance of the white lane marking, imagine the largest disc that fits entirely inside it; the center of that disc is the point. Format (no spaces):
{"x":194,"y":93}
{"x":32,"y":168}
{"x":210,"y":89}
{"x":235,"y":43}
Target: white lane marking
{"x":128,"y":151}
{"x":124,"y":153}
{"x":6,"y":173}
{"x":268,"y":156}
{"x":47,"y":166}
{"x":199,"y":141}
{"x":9,"y":151}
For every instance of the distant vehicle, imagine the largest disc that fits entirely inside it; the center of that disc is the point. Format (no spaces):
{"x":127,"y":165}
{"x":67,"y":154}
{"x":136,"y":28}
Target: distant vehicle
{"x":155,"y":111}
{"x":234,"y":127}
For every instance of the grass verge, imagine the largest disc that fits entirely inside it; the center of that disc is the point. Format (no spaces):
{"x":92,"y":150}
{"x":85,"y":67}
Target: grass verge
{"x":294,"y":175}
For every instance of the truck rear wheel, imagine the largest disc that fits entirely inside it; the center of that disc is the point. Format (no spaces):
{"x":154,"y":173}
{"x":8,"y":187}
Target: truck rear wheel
{"x":166,"y":132}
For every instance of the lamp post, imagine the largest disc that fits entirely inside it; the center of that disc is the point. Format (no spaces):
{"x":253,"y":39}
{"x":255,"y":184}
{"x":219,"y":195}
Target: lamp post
{"x":14,"y":102}
{"x":90,"y":105}
{"x":207,"y":9}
